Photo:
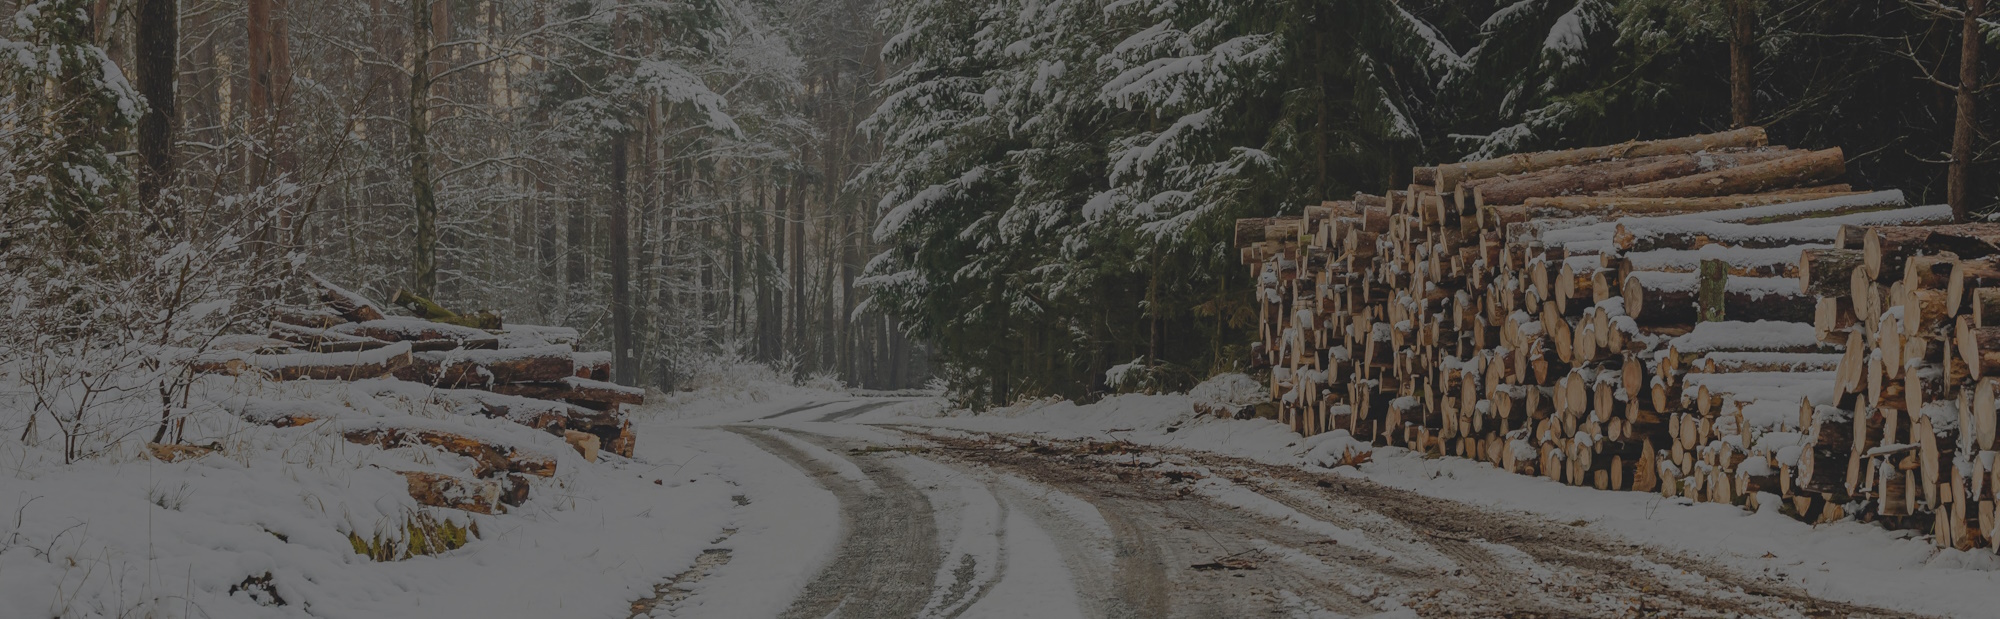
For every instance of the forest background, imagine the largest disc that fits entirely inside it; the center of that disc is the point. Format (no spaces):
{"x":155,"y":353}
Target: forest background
{"x":1020,"y":198}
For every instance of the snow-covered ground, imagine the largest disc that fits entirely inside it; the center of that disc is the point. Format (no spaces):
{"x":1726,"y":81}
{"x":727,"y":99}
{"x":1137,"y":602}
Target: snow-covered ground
{"x":1845,"y":561}
{"x":752,"y":500}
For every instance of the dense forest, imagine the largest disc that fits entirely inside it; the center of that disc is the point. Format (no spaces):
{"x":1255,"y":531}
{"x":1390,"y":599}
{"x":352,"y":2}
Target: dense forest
{"x":1057,"y":193}
{"x":1023,"y":198}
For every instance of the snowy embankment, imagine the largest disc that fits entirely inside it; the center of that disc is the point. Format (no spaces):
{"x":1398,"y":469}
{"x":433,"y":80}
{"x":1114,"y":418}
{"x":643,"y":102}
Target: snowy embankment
{"x":271,"y":523}
{"x":1846,"y":561}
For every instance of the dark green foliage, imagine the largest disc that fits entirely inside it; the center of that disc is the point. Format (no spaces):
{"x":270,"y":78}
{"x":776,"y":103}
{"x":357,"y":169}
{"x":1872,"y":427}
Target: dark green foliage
{"x":1059,"y":179}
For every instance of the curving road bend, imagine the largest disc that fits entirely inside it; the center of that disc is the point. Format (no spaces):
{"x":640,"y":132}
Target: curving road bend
{"x":953,"y":524}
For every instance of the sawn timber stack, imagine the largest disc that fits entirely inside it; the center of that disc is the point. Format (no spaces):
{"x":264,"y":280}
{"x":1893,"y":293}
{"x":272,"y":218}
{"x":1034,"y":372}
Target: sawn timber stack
{"x":1710,"y":317}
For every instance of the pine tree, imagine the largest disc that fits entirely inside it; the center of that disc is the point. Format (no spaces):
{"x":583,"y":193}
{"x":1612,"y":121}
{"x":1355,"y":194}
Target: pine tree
{"x":65,"y":100}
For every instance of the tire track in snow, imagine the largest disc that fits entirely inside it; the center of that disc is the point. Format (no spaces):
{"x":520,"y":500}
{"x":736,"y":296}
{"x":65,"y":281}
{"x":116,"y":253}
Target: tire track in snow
{"x":1162,"y":521}
{"x":888,"y":553}
{"x":850,"y":412}
{"x":801,"y":407}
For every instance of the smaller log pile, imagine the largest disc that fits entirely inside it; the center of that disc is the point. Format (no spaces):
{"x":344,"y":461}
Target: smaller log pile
{"x":1710,"y":317}
{"x":1918,"y":315}
{"x":471,"y":365}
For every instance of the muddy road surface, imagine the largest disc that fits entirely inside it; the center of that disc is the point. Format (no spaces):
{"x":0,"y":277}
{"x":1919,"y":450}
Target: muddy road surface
{"x":952,"y":524}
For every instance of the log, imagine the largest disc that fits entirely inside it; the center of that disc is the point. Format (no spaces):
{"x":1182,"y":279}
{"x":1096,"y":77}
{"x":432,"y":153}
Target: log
{"x":415,"y":330}
{"x":1986,"y":307}
{"x":1451,"y":174}
{"x":1923,"y":311}
{"x":1829,"y":440}
{"x":1711,"y":291}
{"x":1597,"y":177}
{"x":489,"y":459}
{"x":1609,"y":206}
{"x":1256,"y":230}
{"x":1734,"y":362}
{"x":1828,"y":272}
{"x":1794,"y":171}
{"x":553,"y":417}
{"x":593,"y":365}
{"x":1932,"y":271}
{"x":1887,"y":247}
{"x":439,"y":490}
{"x":1833,"y":317}
{"x":324,"y":340}
{"x":1771,"y":262}
{"x":1982,"y":416}
{"x":1818,"y":206}
{"x":477,"y":368}
{"x":309,"y":317}
{"x":1653,"y":298}
{"x":579,"y":391}
{"x":1688,"y":232}
{"x":1969,"y":275}
{"x":1979,"y":347}
{"x":376,"y":363}
{"x":430,"y":310}
{"x":353,"y":307}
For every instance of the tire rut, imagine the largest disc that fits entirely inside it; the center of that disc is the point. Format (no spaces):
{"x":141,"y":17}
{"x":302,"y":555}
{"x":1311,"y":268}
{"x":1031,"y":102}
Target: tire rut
{"x":850,"y":412}
{"x":1161,"y":526}
{"x":888,"y":555}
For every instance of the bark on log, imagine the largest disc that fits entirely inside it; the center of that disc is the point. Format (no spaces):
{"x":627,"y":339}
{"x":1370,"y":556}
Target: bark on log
{"x":1579,"y":205}
{"x":1969,"y":275}
{"x":580,"y":391}
{"x":310,"y":317}
{"x":353,"y":307}
{"x":323,"y":340}
{"x":1672,"y":299}
{"x":1451,"y":174}
{"x":489,"y":460}
{"x":1254,"y":230}
{"x":485,"y":368}
{"x":1980,"y":349}
{"x":1828,"y":272}
{"x":310,"y":366}
{"x":1597,"y":177}
{"x":1888,"y":246}
{"x":430,"y":310}
{"x":1795,"y":171}
{"x":412,"y":330}
{"x":473,"y":495}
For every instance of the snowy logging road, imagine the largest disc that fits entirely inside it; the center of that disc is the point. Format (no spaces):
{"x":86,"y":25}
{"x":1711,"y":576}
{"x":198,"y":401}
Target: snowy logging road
{"x":926,"y":522}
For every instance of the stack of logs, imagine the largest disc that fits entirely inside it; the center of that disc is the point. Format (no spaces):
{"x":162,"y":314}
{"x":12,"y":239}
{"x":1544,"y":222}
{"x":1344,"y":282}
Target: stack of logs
{"x":1709,"y":317}
{"x":462,"y":364}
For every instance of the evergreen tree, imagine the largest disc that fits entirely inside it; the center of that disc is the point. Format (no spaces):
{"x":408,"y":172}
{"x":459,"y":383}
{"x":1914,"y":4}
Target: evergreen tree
{"x":65,"y":101}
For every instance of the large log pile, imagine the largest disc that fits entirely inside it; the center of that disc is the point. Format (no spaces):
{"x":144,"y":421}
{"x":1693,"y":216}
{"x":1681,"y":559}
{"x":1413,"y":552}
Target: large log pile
{"x":1705,"y":317}
{"x":469,"y":365}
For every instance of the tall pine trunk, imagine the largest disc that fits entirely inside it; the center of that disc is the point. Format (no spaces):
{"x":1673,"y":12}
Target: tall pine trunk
{"x":423,"y":196}
{"x":1957,"y":190}
{"x":623,"y":368}
{"x":157,"y":42}
{"x":797,"y":224}
{"x":1742,"y":39}
{"x":761,"y":267}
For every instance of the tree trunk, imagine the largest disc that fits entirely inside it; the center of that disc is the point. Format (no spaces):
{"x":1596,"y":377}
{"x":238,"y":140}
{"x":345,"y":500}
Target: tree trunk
{"x":781,"y":297}
{"x":762,"y":268}
{"x":157,"y":46}
{"x":623,"y":368}
{"x":1742,"y":39}
{"x":1959,"y":177}
{"x":797,"y":224}
{"x":423,"y":195}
